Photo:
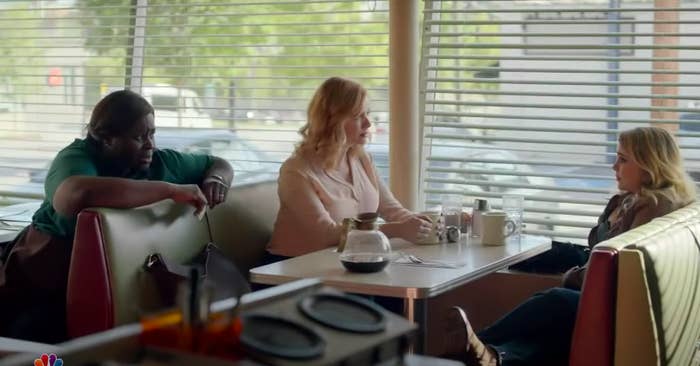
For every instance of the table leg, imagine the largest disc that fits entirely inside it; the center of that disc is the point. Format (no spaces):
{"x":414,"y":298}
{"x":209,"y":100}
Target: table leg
{"x":409,"y":309}
{"x":416,"y":311}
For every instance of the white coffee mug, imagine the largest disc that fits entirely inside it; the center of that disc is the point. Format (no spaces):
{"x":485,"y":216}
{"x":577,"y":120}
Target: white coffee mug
{"x":437,"y":231}
{"x":495,"y":228}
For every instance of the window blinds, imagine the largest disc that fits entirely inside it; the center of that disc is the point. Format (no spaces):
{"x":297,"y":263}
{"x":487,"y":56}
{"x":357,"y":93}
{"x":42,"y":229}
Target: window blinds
{"x":231,"y":78}
{"x":528,"y":97}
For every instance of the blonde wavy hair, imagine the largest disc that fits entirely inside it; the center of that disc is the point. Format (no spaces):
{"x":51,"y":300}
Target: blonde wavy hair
{"x":656,"y":153}
{"x":323,"y":135}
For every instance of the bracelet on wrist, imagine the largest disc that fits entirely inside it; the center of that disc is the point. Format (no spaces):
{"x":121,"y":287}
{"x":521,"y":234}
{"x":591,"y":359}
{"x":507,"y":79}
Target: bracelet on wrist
{"x":215,"y":178}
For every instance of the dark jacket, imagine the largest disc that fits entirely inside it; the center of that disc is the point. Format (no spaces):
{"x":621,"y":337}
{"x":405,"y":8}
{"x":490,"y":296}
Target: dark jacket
{"x":635,"y":211}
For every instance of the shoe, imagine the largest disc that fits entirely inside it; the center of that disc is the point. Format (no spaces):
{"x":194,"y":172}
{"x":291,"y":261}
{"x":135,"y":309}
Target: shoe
{"x":464,"y":345}
{"x":457,"y":332}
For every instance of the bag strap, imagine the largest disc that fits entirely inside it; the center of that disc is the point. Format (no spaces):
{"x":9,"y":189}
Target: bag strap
{"x":156,"y":260}
{"x":211,"y":237}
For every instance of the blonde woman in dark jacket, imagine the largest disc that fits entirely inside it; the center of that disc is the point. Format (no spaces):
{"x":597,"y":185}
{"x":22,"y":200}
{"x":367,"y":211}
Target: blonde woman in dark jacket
{"x":652,"y":182}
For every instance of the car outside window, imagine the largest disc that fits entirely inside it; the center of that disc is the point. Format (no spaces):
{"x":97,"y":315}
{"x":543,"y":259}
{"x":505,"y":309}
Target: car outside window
{"x":164,"y":102}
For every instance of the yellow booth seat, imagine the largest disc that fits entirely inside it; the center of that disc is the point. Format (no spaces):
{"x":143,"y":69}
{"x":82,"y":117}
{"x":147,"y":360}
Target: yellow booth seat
{"x":651,"y":315}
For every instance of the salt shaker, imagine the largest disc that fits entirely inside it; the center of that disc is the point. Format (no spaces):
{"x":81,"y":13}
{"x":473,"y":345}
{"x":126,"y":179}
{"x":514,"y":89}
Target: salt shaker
{"x":480,"y":206}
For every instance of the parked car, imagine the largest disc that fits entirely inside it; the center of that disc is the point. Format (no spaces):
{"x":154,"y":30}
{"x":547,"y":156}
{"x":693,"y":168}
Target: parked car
{"x":176,"y":107}
{"x":480,"y":158}
{"x":474,"y":181}
{"x":249,"y":163}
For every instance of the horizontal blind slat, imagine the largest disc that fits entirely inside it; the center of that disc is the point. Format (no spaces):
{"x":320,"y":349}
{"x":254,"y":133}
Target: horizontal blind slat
{"x":551,"y":82}
{"x":553,"y":118}
{"x":553,"y":94}
{"x":549,"y":9}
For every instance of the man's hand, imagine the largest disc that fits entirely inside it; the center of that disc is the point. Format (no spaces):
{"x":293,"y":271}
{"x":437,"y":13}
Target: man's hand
{"x":215,"y":190}
{"x":192,"y":195}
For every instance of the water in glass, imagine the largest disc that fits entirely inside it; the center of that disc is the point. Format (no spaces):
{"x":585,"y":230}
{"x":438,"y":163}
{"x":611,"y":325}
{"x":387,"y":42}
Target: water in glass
{"x":513,"y":206}
{"x":452,"y":211}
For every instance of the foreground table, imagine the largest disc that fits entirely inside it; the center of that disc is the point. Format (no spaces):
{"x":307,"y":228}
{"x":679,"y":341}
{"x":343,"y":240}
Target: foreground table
{"x":127,"y":345}
{"x":413,"y":284}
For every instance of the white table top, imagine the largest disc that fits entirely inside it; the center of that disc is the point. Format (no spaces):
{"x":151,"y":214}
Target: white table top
{"x":8,"y":234}
{"x":14,"y":218}
{"x":412,"y":282}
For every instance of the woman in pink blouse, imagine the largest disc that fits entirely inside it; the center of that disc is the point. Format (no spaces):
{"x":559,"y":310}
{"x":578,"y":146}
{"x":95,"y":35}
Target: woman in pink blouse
{"x":330,"y":177}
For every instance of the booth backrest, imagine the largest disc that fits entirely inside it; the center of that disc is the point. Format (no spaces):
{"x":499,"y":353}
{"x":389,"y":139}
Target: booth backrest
{"x":242,"y":227}
{"x":107,"y":285}
{"x":640,"y":303}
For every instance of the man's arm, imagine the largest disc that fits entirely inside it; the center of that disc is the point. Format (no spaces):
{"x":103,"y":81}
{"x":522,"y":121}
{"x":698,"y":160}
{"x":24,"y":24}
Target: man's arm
{"x":76,"y":193}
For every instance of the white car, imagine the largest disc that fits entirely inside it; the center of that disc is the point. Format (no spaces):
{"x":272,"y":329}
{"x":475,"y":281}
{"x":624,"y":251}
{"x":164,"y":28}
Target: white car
{"x":176,"y":107}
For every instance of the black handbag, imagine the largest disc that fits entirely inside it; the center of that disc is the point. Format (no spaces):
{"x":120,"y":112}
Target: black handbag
{"x":217,"y":273}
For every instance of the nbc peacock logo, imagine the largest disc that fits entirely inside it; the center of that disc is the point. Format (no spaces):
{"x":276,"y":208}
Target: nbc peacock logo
{"x":48,"y":360}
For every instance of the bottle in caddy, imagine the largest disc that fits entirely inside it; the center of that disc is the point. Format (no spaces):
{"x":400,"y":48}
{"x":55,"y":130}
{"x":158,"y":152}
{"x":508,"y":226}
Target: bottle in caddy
{"x":191,"y":328}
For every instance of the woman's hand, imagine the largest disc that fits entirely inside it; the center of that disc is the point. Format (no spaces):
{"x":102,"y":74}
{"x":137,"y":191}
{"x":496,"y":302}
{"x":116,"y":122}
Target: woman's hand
{"x":411,"y":229}
{"x":190,"y":194}
{"x":215,"y":190}
{"x":573,"y":278}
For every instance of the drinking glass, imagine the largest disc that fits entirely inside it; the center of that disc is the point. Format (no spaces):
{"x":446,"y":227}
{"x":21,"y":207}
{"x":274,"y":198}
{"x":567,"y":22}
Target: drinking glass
{"x":452,"y":210}
{"x":513,"y":206}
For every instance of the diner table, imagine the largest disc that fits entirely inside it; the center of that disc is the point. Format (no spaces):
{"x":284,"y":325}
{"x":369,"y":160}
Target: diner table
{"x":14,"y":218}
{"x":7,"y":235}
{"x":464,"y":261}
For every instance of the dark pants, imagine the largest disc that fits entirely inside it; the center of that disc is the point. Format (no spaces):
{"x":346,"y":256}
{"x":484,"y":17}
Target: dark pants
{"x":270,"y":258}
{"x":538,"y":331}
{"x":33,"y":281}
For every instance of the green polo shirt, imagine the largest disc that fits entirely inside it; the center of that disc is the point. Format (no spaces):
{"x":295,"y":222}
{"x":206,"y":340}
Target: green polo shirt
{"x":81,"y":158}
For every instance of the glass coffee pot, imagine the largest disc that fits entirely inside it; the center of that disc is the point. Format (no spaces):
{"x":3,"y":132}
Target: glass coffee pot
{"x":366,"y":248}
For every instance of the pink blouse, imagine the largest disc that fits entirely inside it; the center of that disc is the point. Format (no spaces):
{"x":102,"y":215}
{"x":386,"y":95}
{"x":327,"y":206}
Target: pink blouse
{"x":314,"y":202}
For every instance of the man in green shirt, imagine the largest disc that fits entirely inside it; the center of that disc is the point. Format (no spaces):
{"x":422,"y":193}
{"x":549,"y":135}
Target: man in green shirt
{"x":81,"y":158}
{"x":116,"y":165}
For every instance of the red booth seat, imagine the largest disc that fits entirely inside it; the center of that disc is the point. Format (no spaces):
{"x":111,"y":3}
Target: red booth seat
{"x":107,"y":285}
